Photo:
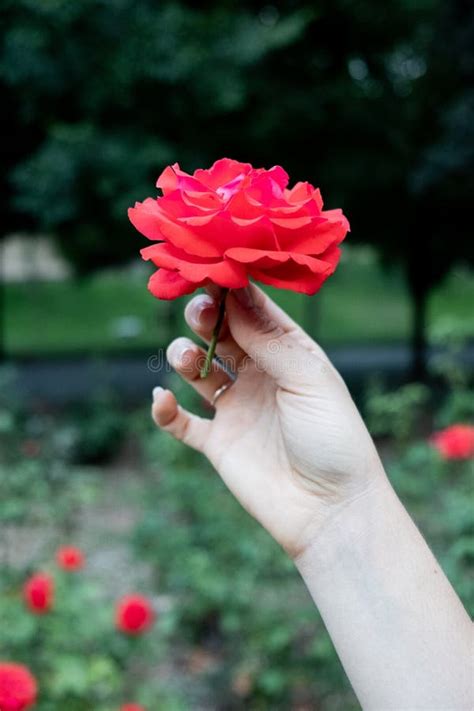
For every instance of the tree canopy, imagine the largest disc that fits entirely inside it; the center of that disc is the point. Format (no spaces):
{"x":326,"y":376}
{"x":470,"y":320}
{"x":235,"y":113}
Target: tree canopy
{"x":374,"y":102}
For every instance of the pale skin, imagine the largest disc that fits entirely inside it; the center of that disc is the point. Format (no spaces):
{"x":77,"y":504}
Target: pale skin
{"x":290,"y":444}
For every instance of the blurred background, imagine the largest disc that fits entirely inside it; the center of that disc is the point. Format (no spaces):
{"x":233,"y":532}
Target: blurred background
{"x":374,"y":103}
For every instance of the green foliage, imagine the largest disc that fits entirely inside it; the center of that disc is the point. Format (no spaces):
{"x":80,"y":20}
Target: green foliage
{"x":80,"y":660}
{"x":403,"y":414}
{"x":35,"y":483}
{"x":78,"y":657}
{"x":450,"y":366}
{"x":375,"y":105}
{"x":395,"y":413}
{"x":236,"y":629}
{"x":92,"y":432}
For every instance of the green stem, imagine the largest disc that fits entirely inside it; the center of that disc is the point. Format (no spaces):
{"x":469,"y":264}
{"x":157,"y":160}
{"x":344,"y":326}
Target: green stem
{"x":215,"y":337}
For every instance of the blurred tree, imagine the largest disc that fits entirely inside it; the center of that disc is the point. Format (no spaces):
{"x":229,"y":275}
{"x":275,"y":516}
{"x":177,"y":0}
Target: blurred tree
{"x":372,"y":101}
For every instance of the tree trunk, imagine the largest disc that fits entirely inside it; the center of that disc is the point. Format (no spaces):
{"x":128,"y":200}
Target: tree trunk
{"x":311,"y":316}
{"x":418,"y":369}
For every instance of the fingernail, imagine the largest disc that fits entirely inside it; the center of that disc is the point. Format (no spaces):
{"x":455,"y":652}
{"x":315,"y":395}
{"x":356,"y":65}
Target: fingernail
{"x":200,"y":310}
{"x":180,"y":352}
{"x":157,"y":391}
{"x":244,"y":297}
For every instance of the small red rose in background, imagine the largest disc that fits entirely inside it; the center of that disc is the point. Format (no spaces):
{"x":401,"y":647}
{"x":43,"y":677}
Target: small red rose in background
{"x":38,"y":593}
{"x":18,"y":688}
{"x":70,"y":558}
{"x":134,"y":614}
{"x":232,"y":223}
{"x":455,"y":442}
{"x":132,"y":707}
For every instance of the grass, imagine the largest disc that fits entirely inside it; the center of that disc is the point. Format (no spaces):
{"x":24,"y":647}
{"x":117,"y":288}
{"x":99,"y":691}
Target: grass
{"x":81,"y":315}
{"x":113,"y":311}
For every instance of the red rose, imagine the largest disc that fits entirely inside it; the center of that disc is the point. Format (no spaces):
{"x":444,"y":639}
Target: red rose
{"x":134,"y":614}
{"x":234,"y":222}
{"x":18,"y":688}
{"x":70,"y":558}
{"x":455,"y":442}
{"x":38,"y":593}
{"x":132,"y":707}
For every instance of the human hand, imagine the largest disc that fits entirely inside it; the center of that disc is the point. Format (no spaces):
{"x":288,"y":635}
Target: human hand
{"x":286,"y":437}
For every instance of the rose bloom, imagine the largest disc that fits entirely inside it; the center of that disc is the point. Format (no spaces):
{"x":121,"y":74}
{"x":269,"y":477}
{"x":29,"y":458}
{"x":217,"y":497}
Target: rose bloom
{"x":134,"y":614}
{"x":132,"y":707}
{"x":38,"y":593}
{"x":455,"y":442}
{"x":70,"y":558}
{"x":18,"y":688}
{"x":234,"y":222}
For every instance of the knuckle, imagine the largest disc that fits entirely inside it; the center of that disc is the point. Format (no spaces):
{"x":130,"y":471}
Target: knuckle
{"x":269,"y":328}
{"x":183,"y":431}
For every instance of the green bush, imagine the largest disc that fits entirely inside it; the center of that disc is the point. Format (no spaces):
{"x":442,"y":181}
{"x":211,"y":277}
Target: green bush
{"x":238,"y":629}
{"x":80,"y":660}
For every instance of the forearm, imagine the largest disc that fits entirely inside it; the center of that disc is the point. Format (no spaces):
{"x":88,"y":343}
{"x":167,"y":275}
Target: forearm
{"x":401,"y":632}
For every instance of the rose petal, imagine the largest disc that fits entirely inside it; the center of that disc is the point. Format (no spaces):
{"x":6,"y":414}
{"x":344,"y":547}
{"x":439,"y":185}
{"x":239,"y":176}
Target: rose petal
{"x":318,"y":199}
{"x":299,"y":273}
{"x":223,"y":232}
{"x":292,"y":223}
{"x":201,"y":201}
{"x":144,"y":217}
{"x":196,"y":219}
{"x":266,"y":191}
{"x":224,"y":272}
{"x":299,"y":192}
{"x":155,"y":224}
{"x":165,"y":284}
{"x":221,"y":172}
{"x":293,"y":277}
{"x":279,"y":175}
{"x":242,"y":208}
{"x":316,"y":237}
{"x":270,"y":259}
{"x":173,"y":178}
{"x":178,"y":204}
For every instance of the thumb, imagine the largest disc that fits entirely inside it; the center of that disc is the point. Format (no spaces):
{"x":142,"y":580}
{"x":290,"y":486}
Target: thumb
{"x":268,"y":335}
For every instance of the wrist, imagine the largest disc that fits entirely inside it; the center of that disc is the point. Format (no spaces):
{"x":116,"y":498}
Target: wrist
{"x":346,"y":524}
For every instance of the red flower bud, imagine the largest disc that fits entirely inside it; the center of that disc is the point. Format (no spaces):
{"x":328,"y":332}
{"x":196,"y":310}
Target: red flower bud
{"x":70,"y":558}
{"x":38,"y":593}
{"x":455,"y":442}
{"x":134,"y":614}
